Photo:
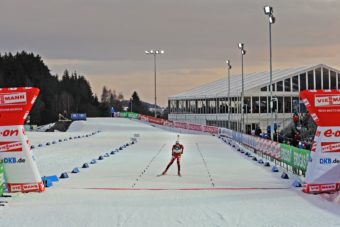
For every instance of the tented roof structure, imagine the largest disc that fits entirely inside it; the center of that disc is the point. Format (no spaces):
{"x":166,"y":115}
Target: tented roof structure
{"x":252,"y":81}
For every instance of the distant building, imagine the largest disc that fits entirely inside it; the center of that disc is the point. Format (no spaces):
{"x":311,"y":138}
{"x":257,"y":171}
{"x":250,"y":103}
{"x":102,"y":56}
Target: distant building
{"x":208,"y":104}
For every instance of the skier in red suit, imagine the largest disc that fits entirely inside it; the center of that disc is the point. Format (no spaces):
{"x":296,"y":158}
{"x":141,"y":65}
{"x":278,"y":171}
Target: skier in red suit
{"x":177,"y":151}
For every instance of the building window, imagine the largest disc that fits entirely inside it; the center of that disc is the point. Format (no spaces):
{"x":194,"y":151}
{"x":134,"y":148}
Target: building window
{"x":263,"y":103}
{"x":193,"y":106}
{"x":339,"y":81}
{"x":233,"y":105}
{"x":255,"y":101}
{"x":280,"y":104}
{"x":318,"y":79}
{"x":287,"y":84}
{"x":333,"y":80}
{"x":295,"y":104}
{"x":224,"y":106}
{"x":279,"y":86}
{"x":310,"y":80}
{"x":288,"y":104}
{"x":180,"y":106}
{"x":325,"y":79}
{"x":173,"y":106}
{"x":273,"y":87}
{"x":199,"y":106}
{"x":295,"y":83}
{"x":303,"y":82}
{"x":264,"y":88}
{"x":211,"y":106}
{"x":246,"y":104}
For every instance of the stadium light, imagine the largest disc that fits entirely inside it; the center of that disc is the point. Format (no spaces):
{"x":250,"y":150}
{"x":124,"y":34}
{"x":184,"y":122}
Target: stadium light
{"x":154,"y":53}
{"x":268,"y":10}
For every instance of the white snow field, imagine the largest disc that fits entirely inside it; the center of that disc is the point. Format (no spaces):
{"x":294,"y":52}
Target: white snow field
{"x":219,"y":186}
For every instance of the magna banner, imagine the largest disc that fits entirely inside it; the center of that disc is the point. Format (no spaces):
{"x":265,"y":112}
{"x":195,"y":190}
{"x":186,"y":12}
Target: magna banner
{"x":323,"y":172}
{"x":21,"y":171}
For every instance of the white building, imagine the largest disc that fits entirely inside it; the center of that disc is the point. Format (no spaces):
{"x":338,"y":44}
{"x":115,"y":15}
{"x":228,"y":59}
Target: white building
{"x":208,"y":104}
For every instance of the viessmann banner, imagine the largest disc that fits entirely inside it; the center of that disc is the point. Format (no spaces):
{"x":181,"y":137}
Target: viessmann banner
{"x":21,"y":171}
{"x":323,"y":172}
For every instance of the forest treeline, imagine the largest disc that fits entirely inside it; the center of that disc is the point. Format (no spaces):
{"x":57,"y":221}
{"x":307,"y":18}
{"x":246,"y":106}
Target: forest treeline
{"x":69,"y":93}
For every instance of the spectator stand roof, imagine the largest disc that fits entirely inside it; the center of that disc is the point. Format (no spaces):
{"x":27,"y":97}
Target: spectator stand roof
{"x":252,"y":81}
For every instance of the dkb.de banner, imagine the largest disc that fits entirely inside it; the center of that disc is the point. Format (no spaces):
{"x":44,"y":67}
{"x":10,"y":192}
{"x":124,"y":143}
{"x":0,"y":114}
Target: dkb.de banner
{"x":295,"y":157}
{"x":323,"y":172}
{"x":21,"y":171}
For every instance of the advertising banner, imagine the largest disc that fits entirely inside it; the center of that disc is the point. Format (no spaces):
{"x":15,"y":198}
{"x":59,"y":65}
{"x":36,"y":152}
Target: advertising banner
{"x":133,"y":115}
{"x":123,"y":114}
{"x":195,"y":127}
{"x":295,"y":157}
{"x":22,"y":174}
{"x":78,"y":116}
{"x":226,"y":132}
{"x":180,"y":125}
{"x":210,"y":129}
{"x":323,"y":172}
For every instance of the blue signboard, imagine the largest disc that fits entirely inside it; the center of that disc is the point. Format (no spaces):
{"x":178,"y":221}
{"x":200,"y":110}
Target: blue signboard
{"x":78,"y":116}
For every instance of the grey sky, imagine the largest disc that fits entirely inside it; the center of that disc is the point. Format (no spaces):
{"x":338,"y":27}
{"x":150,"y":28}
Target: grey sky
{"x":105,"y":40}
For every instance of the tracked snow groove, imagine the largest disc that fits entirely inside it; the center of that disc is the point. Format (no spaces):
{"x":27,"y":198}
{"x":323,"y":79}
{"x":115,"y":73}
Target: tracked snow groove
{"x":206,"y":166}
{"x":148,"y":166}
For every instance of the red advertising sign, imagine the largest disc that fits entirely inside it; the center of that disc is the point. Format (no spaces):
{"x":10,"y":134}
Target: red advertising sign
{"x":322,"y":172}
{"x":323,"y":105}
{"x":15,"y":153}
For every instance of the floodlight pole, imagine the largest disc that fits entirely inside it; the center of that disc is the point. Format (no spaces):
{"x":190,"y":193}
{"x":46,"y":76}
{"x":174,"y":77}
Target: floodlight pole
{"x":229,"y":101}
{"x":271,"y":83}
{"x":243,"y":52}
{"x":154,"y":53}
{"x":268,"y":10}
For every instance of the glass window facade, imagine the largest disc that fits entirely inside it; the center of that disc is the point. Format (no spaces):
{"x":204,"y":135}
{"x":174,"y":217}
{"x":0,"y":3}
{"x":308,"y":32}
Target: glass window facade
{"x":319,"y":78}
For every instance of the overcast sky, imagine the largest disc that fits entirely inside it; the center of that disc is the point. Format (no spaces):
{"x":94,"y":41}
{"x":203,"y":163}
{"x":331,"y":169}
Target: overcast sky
{"x":105,"y":40}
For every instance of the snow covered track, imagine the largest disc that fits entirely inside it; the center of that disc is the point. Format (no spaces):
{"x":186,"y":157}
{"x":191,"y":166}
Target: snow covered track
{"x":244,"y":193}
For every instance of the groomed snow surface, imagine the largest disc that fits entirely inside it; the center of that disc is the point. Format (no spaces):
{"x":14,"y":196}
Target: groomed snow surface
{"x":219,"y":186}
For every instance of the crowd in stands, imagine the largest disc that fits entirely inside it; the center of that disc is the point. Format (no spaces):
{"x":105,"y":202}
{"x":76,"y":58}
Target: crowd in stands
{"x":301,"y":123}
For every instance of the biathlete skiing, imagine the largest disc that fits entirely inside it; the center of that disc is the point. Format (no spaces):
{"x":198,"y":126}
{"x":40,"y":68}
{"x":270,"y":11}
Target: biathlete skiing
{"x":177,"y":151}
